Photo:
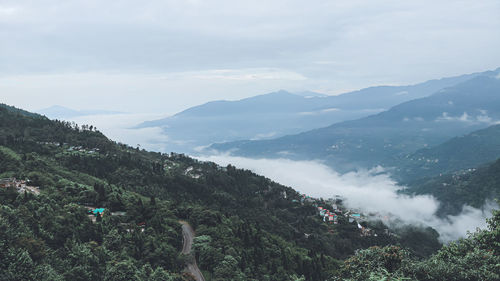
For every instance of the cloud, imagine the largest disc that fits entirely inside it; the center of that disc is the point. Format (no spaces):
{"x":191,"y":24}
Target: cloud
{"x":255,"y":74}
{"x":326,"y":110}
{"x":370,"y":191}
{"x":264,"y":136}
{"x":118,"y":128}
{"x":6,"y":11}
{"x":325,"y":42}
{"x":465,"y":117}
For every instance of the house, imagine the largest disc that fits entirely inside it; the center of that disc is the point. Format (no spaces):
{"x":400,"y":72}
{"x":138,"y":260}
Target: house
{"x":99,"y":211}
{"x":128,"y":227}
{"x":7,"y":182}
{"x":19,"y":185}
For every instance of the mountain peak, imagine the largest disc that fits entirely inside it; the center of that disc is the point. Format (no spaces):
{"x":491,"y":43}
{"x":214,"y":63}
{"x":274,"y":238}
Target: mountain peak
{"x":310,"y":94}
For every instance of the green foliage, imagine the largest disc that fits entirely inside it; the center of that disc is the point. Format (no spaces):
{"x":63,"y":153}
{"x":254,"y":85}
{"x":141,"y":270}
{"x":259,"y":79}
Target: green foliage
{"x":474,"y":258}
{"x":375,"y":263}
{"x":9,"y":153}
{"x":246,"y":229}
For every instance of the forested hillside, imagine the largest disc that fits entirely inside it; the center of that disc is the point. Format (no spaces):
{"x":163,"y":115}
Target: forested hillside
{"x":471,"y":186}
{"x":458,"y":153}
{"x":247,"y":227}
{"x":475,"y":258}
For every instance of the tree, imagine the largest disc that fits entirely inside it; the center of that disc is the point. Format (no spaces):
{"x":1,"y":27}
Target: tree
{"x":159,"y":274}
{"x":123,"y":271}
{"x":228,"y":270}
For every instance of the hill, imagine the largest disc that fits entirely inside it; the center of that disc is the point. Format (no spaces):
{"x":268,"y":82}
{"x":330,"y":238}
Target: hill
{"x":384,"y":138}
{"x":247,"y":227}
{"x":281,"y":113}
{"x":473,"y":187}
{"x":459,"y":153}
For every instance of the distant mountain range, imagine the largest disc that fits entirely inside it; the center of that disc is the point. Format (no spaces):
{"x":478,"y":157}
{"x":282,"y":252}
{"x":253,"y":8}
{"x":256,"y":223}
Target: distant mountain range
{"x":387,"y":137}
{"x":61,"y":112}
{"x":283,"y":113}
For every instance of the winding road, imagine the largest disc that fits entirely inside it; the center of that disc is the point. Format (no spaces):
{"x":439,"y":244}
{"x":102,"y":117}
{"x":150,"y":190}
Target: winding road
{"x":187,"y":237}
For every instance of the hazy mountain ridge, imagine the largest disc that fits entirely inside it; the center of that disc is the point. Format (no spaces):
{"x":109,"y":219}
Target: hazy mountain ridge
{"x":282,"y":113}
{"x":389,"y":135}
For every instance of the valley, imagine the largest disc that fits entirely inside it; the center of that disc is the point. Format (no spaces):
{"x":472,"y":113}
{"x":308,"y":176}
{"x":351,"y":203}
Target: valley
{"x":258,"y":140}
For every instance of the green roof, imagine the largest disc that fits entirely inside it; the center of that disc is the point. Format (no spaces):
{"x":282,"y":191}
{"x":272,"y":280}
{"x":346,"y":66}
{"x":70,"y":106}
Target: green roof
{"x":98,"y":210}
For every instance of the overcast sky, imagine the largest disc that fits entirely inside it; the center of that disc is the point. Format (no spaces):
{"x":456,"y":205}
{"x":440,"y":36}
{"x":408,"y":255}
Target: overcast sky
{"x":163,"y":56}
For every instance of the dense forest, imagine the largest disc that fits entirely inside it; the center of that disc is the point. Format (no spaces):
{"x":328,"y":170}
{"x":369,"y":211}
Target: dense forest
{"x":247,"y":226}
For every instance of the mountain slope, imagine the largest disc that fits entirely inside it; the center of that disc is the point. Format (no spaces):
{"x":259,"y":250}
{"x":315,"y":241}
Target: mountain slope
{"x":383,"y":138}
{"x":281,"y":113}
{"x":246,"y":228}
{"x":472,"y":187}
{"x":459,"y":153}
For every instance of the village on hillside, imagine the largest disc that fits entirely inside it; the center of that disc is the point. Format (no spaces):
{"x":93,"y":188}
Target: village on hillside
{"x":20,"y":185}
{"x":72,"y":149}
{"x":332,"y":211}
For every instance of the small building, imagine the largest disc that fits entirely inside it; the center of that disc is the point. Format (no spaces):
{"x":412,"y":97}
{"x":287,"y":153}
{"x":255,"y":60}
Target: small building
{"x":99,"y":211}
{"x":7,"y":182}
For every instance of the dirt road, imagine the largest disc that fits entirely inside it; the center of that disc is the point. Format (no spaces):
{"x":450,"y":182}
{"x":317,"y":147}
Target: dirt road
{"x":187,"y":237}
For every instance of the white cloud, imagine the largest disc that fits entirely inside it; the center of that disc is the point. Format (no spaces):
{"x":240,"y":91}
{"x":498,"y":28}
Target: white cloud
{"x":371,"y":191}
{"x":308,"y":113}
{"x":333,"y":109}
{"x":240,"y":74}
{"x":118,"y":127}
{"x":465,"y":117}
{"x":263,"y":136}
{"x":8,"y":11}
{"x":326,"y":110}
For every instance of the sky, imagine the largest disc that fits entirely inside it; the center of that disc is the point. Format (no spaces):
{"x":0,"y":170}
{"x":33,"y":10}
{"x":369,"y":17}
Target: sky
{"x":162,"y":56}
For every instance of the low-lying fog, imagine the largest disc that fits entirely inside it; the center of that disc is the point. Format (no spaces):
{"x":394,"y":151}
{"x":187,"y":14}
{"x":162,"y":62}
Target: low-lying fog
{"x":119,"y":127}
{"x":370,"y":191}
